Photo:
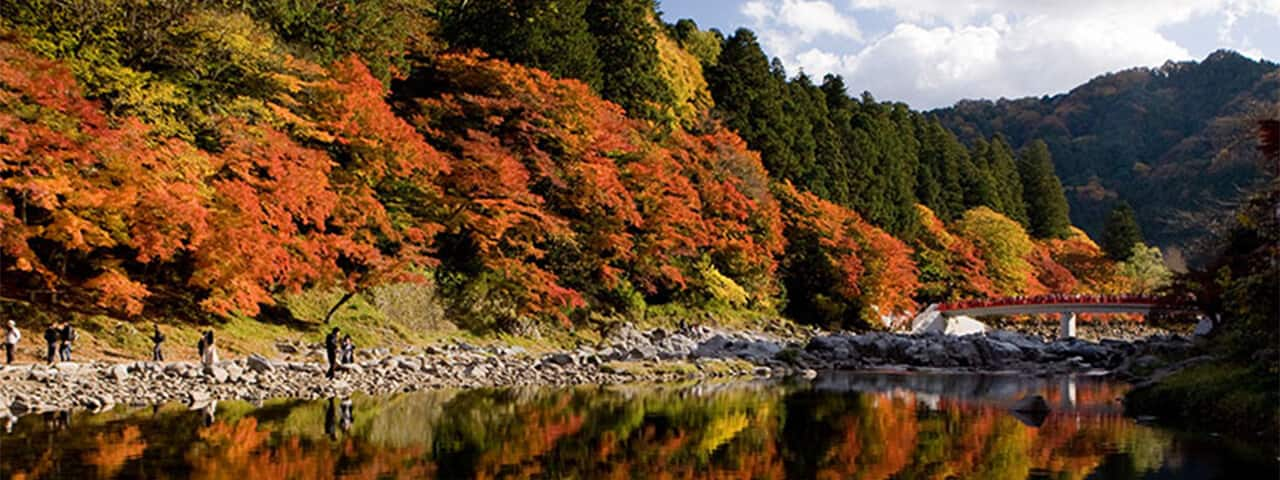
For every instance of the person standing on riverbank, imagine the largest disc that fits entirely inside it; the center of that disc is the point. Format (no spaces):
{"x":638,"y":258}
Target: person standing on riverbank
{"x":348,"y":352}
{"x":331,"y":350}
{"x":200,"y":346}
{"x":210,"y":355}
{"x":11,"y":337}
{"x":157,"y":338}
{"x":66,"y":335}
{"x":51,"y":339}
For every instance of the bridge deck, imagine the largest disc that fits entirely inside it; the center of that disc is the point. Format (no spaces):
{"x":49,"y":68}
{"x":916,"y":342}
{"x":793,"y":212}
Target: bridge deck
{"x":1043,"y":308}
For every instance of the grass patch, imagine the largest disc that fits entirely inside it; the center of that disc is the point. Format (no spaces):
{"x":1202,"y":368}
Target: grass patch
{"x":641,"y":369}
{"x":1235,"y":398}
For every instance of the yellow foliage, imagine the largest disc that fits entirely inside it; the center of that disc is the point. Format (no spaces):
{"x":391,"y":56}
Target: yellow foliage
{"x":683,"y":73}
{"x":721,"y":287}
{"x":720,"y":431}
{"x":1003,"y":244}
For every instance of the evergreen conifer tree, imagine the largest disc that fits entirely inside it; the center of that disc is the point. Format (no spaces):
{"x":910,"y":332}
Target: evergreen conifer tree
{"x":1120,"y":232}
{"x":552,"y":35}
{"x":1006,"y":181}
{"x":1046,"y":203}
{"x":627,"y":49}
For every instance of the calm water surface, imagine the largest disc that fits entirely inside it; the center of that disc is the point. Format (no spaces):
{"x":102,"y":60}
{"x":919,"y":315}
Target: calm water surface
{"x":868,"y":426}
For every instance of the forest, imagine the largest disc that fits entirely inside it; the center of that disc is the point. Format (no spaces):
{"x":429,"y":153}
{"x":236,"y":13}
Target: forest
{"x":533,"y":164}
{"x":1175,"y":142}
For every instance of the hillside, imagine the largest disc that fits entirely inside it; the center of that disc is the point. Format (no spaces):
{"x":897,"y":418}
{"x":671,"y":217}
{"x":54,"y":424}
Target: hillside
{"x":1173,"y":141}
{"x":280,"y":163}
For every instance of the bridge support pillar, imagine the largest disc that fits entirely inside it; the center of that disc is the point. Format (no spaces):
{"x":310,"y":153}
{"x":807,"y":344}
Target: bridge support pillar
{"x":1068,"y":329}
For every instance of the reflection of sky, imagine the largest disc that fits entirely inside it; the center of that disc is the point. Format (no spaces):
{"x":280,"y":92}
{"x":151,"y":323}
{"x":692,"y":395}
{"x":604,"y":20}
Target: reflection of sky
{"x":931,"y":53}
{"x":1076,"y":393}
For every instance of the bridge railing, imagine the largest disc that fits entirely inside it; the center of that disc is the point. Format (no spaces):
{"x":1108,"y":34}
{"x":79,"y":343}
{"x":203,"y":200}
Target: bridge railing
{"x":1062,"y":299}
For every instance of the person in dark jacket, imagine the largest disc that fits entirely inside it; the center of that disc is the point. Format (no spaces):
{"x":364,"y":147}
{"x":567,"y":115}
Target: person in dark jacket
{"x":331,"y":350}
{"x":157,"y":338}
{"x":51,"y":339}
{"x":65,"y":336}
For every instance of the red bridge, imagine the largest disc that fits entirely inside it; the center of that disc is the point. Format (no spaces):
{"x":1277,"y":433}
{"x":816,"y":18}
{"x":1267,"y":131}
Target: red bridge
{"x":1066,"y":305}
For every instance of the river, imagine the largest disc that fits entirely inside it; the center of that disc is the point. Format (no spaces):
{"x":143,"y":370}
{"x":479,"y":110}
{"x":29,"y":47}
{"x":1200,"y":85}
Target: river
{"x":865,"y":425}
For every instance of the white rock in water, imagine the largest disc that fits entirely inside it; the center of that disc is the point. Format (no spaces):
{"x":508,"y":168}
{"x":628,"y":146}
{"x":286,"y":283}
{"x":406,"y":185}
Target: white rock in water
{"x":930,"y":320}
{"x":1203,"y":327}
{"x":964,"y":326}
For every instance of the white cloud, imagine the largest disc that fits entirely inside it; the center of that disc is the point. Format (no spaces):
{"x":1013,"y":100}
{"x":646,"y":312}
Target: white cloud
{"x":936,"y":52}
{"x":805,"y":18}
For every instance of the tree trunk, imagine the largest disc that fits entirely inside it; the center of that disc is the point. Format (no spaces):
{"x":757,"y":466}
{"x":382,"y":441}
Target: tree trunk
{"x":336,"y":306}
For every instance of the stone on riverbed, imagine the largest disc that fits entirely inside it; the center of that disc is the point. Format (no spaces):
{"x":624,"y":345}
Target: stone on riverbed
{"x":218,"y":374}
{"x":1031,"y":404}
{"x":259,"y":364}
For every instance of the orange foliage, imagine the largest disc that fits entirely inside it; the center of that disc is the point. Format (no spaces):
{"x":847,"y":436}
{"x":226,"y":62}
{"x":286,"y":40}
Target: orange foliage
{"x":833,"y":251}
{"x":1087,"y":263}
{"x":1048,"y":276}
{"x":564,"y":196}
{"x":962,"y":272}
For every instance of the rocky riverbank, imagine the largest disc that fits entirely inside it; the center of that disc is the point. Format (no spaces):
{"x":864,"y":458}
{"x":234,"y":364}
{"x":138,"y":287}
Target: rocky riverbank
{"x":628,"y":356}
{"x":1090,"y":330}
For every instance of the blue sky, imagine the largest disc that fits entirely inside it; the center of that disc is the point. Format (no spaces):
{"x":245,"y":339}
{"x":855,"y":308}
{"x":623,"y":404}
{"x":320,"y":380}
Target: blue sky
{"x":932,"y":53}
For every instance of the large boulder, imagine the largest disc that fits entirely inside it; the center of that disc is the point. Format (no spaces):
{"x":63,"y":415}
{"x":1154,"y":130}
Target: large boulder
{"x":259,"y":364}
{"x":995,"y":352}
{"x":964,"y":352}
{"x":926,"y":352}
{"x":714,"y":347}
{"x":757,"y":351}
{"x":828,"y":345}
{"x":962,"y":325}
{"x":929,"y":320}
{"x":1024,"y":342}
{"x":1074,"y":347}
{"x":561,"y":359}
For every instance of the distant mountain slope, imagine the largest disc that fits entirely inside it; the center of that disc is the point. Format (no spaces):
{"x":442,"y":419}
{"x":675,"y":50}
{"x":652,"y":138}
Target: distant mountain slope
{"x":1169,"y":140}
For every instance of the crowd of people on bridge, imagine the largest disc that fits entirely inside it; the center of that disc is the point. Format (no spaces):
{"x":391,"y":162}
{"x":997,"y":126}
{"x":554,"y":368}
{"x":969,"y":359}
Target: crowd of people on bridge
{"x":1053,"y":298}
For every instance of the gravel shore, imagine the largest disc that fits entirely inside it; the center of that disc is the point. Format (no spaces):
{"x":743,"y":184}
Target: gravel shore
{"x":627,"y":356}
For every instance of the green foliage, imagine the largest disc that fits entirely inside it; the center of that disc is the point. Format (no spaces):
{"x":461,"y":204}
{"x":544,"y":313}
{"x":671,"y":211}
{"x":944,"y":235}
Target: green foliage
{"x":241,"y":151}
{"x":1046,"y":204}
{"x":1145,"y":269}
{"x":1121,"y":232}
{"x":385,"y":34}
{"x":627,"y":46}
{"x":1169,"y":140}
{"x":551,"y":35}
{"x":976,"y":180}
{"x":1232,"y":397}
{"x":704,"y":45}
{"x":1006,"y":181}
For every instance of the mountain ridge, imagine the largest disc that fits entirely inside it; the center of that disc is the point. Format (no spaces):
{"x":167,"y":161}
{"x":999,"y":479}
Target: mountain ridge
{"x":1146,"y":135}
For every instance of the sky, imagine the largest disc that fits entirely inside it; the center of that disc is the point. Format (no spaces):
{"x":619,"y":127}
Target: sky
{"x":932,"y":53}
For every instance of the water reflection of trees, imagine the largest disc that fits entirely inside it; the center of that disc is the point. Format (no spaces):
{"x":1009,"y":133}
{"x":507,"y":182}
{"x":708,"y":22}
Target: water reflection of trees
{"x":606,"y":433}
